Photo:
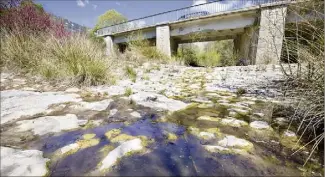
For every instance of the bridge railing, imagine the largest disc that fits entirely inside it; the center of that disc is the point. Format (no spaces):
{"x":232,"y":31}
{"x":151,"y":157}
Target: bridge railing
{"x":181,"y":14}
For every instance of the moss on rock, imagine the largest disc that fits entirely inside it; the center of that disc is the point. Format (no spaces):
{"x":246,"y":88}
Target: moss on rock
{"x":88,"y":136}
{"x":145,"y":141}
{"x":112,"y":133}
{"x":106,"y":149}
{"x":208,"y":118}
{"x":87,"y":143}
{"x":171,"y":136}
{"x":122,"y":138}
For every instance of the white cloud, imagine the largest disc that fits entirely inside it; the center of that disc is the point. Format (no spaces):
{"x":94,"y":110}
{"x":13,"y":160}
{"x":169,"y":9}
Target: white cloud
{"x":117,"y":3}
{"x":80,"y":3}
{"x":94,"y":6}
{"x":87,"y":1}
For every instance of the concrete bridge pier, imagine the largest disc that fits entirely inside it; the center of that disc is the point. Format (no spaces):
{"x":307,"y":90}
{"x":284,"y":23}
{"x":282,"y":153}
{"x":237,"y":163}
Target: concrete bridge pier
{"x":244,"y":45}
{"x":109,"y":46}
{"x":164,"y":42}
{"x":270,"y":35}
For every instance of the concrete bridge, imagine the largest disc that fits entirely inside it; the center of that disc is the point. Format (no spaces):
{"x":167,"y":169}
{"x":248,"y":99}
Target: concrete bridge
{"x":257,"y":28}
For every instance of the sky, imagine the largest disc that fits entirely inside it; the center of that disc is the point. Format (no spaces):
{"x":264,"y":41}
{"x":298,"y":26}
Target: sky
{"x":85,"y":12}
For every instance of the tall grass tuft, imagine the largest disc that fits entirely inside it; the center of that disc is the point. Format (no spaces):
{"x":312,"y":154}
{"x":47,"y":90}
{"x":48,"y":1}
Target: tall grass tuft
{"x":32,"y":42}
{"x":74,"y":58}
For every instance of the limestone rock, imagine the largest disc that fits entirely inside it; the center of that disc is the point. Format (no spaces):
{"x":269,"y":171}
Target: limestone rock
{"x":119,"y":152}
{"x":28,"y":89}
{"x":208,"y":118}
{"x":232,"y":141}
{"x":72,"y":90}
{"x":233,"y":122}
{"x":69,"y":148}
{"x":16,"y":162}
{"x":207,"y":135}
{"x":16,"y":103}
{"x":289,"y":133}
{"x":95,"y":106}
{"x":112,"y":112}
{"x":281,"y":121}
{"x":215,"y":148}
{"x":156,"y":101}
{"x":259,"y":125}
{"x":135,"y":114}
{"x":49,"y":124}
{"x":260,"y":115}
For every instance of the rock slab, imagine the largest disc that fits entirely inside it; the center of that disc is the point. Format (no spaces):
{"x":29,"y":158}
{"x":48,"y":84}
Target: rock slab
{"x":16,"y":162}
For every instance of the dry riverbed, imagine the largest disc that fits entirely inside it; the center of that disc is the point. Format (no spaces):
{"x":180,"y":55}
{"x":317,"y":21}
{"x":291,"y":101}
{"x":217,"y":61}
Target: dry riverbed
{"x":169,"y":120}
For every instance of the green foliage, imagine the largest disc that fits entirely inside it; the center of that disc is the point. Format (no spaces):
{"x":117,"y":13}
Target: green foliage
{"x":110,"y":17}
{"x":225,"y":50}
{"x":144,"y":48}
{"x":193,"y":57}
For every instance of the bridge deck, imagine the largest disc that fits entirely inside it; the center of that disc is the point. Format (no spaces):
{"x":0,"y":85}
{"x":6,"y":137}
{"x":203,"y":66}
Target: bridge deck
{"x":187,"y":13}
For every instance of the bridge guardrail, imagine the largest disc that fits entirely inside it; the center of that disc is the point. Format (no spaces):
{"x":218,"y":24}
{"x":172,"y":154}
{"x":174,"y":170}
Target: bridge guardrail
{"x":175,"y":15}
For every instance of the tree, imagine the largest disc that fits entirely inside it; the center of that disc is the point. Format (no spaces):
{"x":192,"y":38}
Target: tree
{"x":110,"y":17}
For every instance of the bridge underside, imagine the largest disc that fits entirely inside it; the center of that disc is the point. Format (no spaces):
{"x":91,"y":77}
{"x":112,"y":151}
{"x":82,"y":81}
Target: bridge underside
{"x":257,"y":35}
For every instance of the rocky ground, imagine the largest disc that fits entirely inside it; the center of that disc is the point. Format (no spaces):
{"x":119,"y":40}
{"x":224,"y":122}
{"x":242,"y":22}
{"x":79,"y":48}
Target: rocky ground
{"x":169,"y":120}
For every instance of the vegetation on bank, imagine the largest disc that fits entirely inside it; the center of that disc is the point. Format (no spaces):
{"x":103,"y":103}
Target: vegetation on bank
{"x":41,"y":46}
{"x":304,"y":45}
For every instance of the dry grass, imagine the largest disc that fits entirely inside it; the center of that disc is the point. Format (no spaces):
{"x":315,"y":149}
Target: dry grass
{"x":75,"y":58}
{"x":304,"y":44}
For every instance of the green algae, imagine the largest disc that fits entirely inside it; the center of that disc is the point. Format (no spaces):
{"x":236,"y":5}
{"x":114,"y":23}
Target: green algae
{"x":215,"y":131}
{"x":87,"y":143}
{"x":106,"y":149}
{"x":121,"y":138}
{"x":90,"y":124}
{"x":112,"y":133}
{"x":290,"y":142}
{"x":171,"y":136}
{"x":88,"y":136}
{"x":189,"y":115}
{"x":145,"y":141}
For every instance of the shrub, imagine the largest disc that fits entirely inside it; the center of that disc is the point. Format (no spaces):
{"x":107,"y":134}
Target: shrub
{"x":225,"y":48}
{"x":30,"y":19}
{"x":145,"y":50}
{"x":193,"y":57}
{"x":140,"y":50}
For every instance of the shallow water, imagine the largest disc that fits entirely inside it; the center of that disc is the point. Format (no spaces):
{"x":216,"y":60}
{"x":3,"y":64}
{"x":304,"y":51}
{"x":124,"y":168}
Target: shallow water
{"x":183,"y":157}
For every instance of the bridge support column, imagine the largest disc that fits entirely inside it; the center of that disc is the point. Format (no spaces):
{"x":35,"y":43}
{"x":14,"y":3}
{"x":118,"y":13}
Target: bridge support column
{"x":163,"y":40}
{"x":244,"y":47}
{"x":270,"y":38}
{"x":109,"y":46}
{"x":173,"y":46}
